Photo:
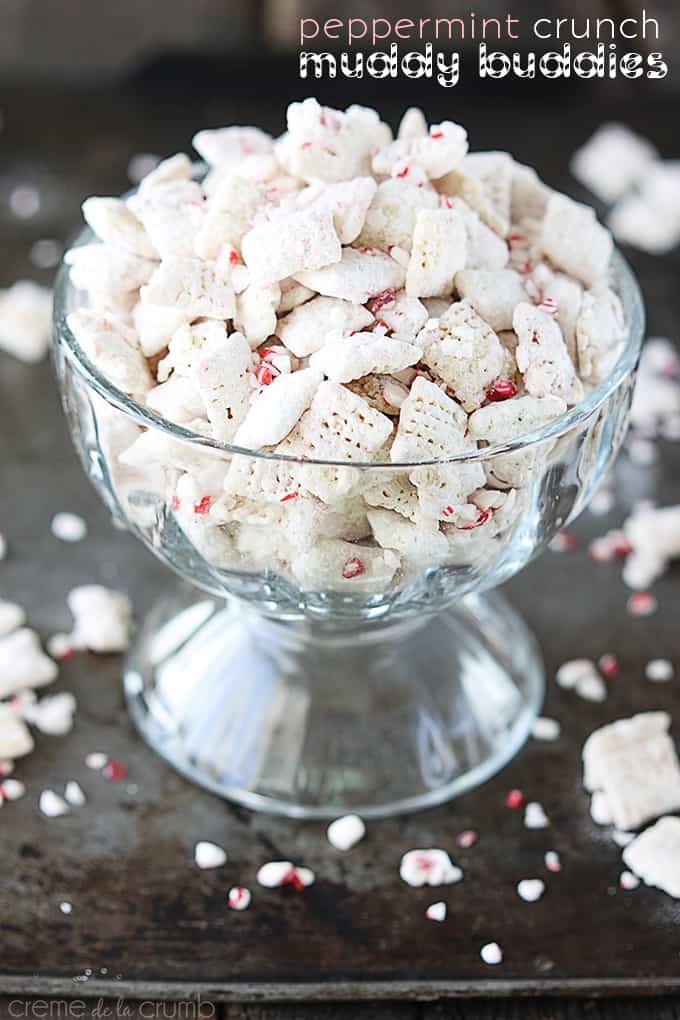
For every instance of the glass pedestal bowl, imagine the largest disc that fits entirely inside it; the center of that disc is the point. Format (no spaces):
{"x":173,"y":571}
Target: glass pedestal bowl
{"x":295,"y":684}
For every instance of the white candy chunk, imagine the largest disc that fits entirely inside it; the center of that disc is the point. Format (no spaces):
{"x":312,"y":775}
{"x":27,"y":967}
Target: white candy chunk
{"x":172,"y":214}
{"x":491,"y":954}
{"x":412,"y":124}
{"x":654,"y":856}
{"x":463,"y":351}
{"x":358,"y":276}
{"x":229,"y":145}
{"x":12,"y":617}
{"x":52,"y":714}
{"x":635,"y":221}
{"x":15,"y":738}
{"x":256,"y":312}
{"x":334,"y":565}
{"x":493,"y":295}
{"x":391,"y":217}
{"x":290,"y":244}
{"x":429,"y":867}
{"x":545,"y":728}
{"x":52,"y":805}
{"x":654,"y":537}
{"x":347,"y":202}
{"x":114,"y":223}
{"x":633,"y":761}
{"x":194,"y":287}
{"x":529,"y":195}
{"x":175,"y":168}
{"x":12,"y":789}
{"x":485,"y":182}
{"x":346,"y":358}
{"x":510,"y":419}
{"x":23,"y":663}
{"x":73,"y":794}
{"x":177,"y":400}
{"x":102,"y":619}
{"x":421,"y":546}
{"x":394,"y":492}
{"x":293,"y":295}
{"x":542,"y":355}
{"x":530,"y":889}
{"x":209,"y":855}
{"x":229,"y":215}
{"x":330,"y":145}
{"x":25,"y":320}
{"x":600,"y":331}
{"x":535,"y":817}
{"x":659,"y":670}
{"x":612,"y":161}
{"x":113,"y":348}
{"x":225,"y":380}
{"x":563,"y":294}
{"x":68,"y":527}
{"x":305,"y":329}
{"x":405,"y":316}
{"x":154,"y":325}
{"x":436,"y":911}
{"x":101,"y":269}
{"x":278,"y":873}
{"x":574,"y":241}
{"x":346,"y":832}
{"x":277,"y":409}
{"x":433,"y":154}
{"x":439,"y":252}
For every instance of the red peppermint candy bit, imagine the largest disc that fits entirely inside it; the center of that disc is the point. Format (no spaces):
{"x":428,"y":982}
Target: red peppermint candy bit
{"x":549,"y":305}
{"x":353,"y":568}
{"x":402,"y":173}
{"x":114,"y":771}
{"x":266,"y":353}
{"x":175,"y":502}
{"x":234,"y":257}
{"x":287,"y":498}
{"x":514,"y":799}
{"x":621,"y":547}
{"x":501,"y":390}
{"x":642,"y":603}
{"x":609,"y":666}
{"x":563,"y":541}
{"x":264,"y":374}
{"x":446,"y":202}
{"x":202,"y":507}
{"x":467,"y":838}
{"x":436,"y":134}
{"x":482,"y":518}
{"x":306,"y":145}
{"x":292,"y":878}
{"x":384,"y":299}
{"x":381,"y":324}
{"x":448,"y":511}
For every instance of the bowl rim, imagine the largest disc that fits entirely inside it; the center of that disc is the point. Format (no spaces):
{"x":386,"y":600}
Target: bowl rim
{"x":621,"y":277}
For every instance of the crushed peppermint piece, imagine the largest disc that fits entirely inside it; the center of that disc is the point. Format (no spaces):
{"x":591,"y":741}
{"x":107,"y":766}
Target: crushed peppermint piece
{"x":239,"y":898}
{"x":429,"y":867}
{"x":52,"y":805}
{"x":535,"y":817}
{"x":68,"y":527}
{"x":581,"y":676}
{"x":114,"y":771}
{"x":353,"y":567}
{"x":563,"y":541}
{"x":491,"y":954}
{"x":73,"y":793}
{"x":96,"y":760}
{"x":278,"y":873}
{"x":659,"y":671}
{"x":545,"y":728}
{"x":60,"y":647}
{"x":609,"y":665}
{"x":514,"y":799}
{"x":642,"y":603}
{"x":467,"y":839}
{"x":436,"y":911}
{"x":627,"y":880}
{"x":345,"y":832}
{"x":209,"y":855}
{"x":66,"y":907}
{"x":530,"y":889}
{"x":552,"y":861}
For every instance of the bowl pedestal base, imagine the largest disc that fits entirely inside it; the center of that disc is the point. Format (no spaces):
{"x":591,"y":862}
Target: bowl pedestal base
{"x":314,"y":721}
